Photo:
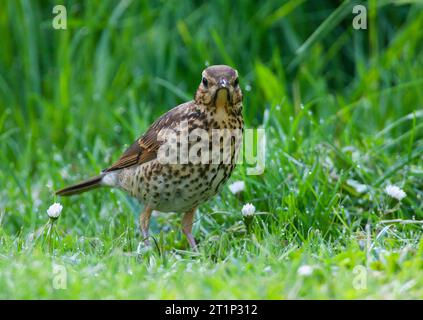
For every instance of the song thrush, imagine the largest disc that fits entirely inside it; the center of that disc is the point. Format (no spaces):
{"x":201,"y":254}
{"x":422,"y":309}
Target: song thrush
{"x":179,"y":163}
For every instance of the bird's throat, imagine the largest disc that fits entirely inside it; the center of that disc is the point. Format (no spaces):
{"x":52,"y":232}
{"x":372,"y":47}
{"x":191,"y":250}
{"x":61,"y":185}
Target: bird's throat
{"x":222,"y":98}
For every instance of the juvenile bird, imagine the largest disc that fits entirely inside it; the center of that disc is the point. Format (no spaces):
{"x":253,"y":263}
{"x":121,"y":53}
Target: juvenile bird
{"x":185,"y":157}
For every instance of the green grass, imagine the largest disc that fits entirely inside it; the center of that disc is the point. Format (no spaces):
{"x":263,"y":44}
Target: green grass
{"x":337,"y":104}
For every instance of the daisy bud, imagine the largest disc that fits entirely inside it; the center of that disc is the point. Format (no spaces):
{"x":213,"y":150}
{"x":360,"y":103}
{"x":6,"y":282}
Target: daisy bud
{"x":54,"y":210}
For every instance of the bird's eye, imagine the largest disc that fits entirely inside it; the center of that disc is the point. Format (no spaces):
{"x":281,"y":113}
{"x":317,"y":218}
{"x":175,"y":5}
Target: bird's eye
{"x":236,"y":82}
{"x":205,"y":82}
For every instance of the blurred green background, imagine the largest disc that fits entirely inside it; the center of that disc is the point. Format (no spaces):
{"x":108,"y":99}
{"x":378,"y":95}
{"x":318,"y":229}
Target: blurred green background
{"x":342,"y":110}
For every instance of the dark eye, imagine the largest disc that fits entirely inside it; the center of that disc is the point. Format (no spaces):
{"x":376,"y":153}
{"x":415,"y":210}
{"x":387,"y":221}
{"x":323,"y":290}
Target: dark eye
{"x":205,"y":82}
{"x":236,"y":82}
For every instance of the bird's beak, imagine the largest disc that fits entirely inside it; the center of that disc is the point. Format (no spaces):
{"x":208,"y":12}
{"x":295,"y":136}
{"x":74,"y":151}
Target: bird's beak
{"x":223,"y":83}
{"x":223,"y":95}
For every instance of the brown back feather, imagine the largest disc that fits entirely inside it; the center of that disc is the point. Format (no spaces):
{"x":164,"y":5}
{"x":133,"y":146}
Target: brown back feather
{"x":145,"y":148}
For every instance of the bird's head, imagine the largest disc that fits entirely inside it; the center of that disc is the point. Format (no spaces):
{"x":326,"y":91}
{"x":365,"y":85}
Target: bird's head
{"x":219,"y":87}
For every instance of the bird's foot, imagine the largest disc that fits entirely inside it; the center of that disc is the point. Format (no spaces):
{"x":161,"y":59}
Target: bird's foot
{"x":144,"y":247}
{"x":192,"y":242}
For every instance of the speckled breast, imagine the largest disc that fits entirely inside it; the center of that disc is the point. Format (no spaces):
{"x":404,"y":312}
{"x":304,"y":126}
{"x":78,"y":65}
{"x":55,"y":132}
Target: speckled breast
{"x":180,"y":187}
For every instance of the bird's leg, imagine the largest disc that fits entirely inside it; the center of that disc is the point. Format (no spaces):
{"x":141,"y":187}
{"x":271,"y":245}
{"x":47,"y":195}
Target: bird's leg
{"x":187,"y":222}
{"x":145,"y":224}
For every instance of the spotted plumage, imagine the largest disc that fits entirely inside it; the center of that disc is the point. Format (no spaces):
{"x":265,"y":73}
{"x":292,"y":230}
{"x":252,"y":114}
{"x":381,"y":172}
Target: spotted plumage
{"x":185,"y":157}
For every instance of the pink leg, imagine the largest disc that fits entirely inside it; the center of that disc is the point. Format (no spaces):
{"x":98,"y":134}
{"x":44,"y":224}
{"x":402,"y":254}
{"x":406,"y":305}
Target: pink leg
{"x":187,"y":222}
{"x":145,"y":224}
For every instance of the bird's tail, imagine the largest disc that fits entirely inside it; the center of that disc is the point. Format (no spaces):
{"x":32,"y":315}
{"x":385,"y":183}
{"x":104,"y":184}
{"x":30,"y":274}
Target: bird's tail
{"x":81,"y":187}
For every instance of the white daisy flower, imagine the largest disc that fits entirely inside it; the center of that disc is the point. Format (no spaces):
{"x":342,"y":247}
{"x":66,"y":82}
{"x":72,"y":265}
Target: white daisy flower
{"x":305,"y":270}
{"x":248,"y":210}
{"x":395,"y":192}
{"x":237,"y":187}
{"x":54,"y":210}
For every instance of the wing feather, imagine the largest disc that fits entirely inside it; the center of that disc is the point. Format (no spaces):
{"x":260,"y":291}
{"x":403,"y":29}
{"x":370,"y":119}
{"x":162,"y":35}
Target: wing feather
{"x":145,"y":148}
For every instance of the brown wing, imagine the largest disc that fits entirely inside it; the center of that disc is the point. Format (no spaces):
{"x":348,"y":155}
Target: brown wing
{"x":145,"y":148}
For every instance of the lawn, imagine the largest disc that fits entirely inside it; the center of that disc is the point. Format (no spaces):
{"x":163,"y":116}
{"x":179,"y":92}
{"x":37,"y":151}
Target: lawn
{"x":342,"y":110}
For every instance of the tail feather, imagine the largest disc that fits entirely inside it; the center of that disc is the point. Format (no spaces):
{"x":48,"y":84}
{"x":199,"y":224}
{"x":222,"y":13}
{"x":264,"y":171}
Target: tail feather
{"x":81,"y":187}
